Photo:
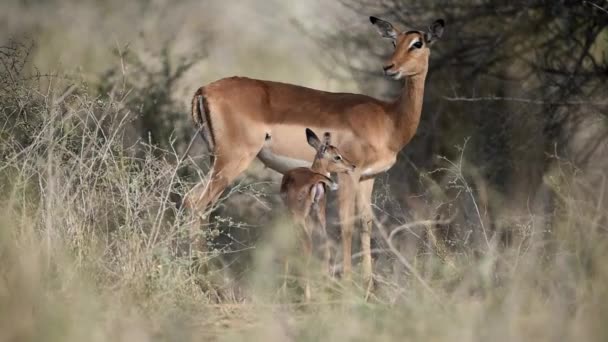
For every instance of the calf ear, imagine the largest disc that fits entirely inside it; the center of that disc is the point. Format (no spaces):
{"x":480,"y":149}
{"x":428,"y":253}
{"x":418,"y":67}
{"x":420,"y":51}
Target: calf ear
{"x":435,"y":31}
{"x":312,"y":139}
{"x":385,"y":28}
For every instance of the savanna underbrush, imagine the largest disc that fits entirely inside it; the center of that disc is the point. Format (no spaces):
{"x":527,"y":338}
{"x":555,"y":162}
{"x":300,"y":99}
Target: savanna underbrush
{"x":94,"y":245}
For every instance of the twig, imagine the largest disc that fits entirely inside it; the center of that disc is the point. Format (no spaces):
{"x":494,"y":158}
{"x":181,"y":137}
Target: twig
{"x":409,"y":226}
{"x":402,"y":259}
{"x":156,"y":228}
{"x":467,"y":188}
{"x":596,"y":6}
{"x":338,"y":266}
{"x":522,"y":100}
{"x":67,"y":93}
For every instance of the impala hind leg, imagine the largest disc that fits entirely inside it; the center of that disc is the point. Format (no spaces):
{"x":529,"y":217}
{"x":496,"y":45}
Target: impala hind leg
{"x":306,"y":241}
{"x":226,"y":168}
{"x":324,"y":238}
{"x":325,"y":247}
{"x":364,"y":207}
{"x":285,"y":275}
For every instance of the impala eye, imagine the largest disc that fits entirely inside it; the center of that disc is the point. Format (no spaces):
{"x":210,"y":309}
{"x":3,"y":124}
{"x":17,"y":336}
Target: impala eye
{"x":417,"y":44}
{"x":337,"y":158}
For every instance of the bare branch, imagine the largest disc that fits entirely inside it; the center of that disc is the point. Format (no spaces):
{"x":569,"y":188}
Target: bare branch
{"x":524,"y":100}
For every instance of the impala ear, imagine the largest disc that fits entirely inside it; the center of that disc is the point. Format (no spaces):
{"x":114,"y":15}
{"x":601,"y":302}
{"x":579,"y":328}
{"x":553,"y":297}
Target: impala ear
{"x":435,"y":31}
{"x":385,"y":28}
{"x":312,"y":139}
{"x":327,"y":138}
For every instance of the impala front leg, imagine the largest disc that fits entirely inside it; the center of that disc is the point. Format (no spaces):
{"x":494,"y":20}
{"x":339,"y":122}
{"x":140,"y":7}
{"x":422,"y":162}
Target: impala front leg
{"x":364,"y":208}
{"x":346,"y":205}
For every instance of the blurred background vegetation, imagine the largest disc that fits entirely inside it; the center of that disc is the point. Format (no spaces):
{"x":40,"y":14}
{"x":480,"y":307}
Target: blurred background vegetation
{"x":496,"y":207}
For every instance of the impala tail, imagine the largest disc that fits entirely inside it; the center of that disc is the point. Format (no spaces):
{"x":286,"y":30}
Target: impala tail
{"x":202,"y":119}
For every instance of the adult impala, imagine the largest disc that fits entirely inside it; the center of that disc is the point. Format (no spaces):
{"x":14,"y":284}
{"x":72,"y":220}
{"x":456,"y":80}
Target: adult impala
{"x":237,"y":115}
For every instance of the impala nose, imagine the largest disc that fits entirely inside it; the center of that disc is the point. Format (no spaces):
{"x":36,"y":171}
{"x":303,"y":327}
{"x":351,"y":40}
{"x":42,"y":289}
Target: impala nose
{"x":387,"y":67}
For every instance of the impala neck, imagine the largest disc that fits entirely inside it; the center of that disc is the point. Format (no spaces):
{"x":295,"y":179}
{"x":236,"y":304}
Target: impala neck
{"x":319,"y":165}
{"x":407,"y":109}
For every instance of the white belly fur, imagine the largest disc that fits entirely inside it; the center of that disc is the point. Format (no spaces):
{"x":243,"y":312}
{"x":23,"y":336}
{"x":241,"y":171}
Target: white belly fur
{"x":373,"y":171}
{"x":279,"y":162}
{"x":282,"y":163}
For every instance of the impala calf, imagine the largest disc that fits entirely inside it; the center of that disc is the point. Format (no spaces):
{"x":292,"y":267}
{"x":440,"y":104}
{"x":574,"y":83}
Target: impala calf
{"x":234,"y":115}
{"x":303,"y":191}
